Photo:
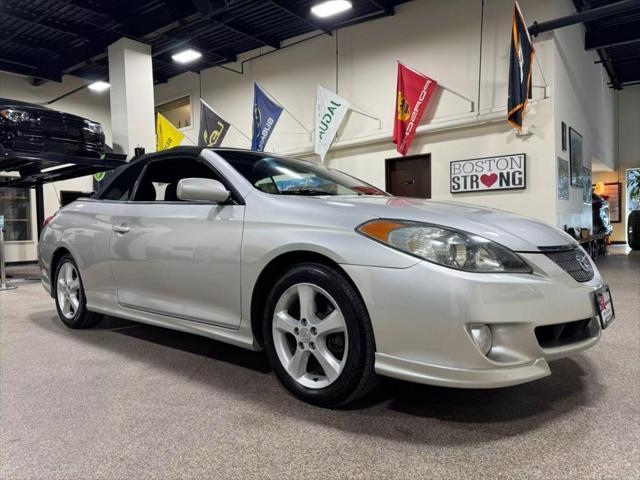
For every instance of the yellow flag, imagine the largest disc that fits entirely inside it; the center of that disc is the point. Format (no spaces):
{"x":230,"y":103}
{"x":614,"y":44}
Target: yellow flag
{"x":167,"y":135}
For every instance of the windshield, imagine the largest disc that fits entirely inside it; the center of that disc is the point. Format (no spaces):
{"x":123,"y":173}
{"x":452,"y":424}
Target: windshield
{"x":290,"y":176}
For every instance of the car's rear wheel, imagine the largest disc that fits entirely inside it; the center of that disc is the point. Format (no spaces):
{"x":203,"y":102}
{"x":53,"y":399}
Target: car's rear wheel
{"x":69,"y":294}
{"x":318,"y":336}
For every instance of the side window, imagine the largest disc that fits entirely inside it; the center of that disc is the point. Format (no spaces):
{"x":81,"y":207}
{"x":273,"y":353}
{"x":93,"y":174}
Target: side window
{"x":159,"y":182}
{"x":121,"y":187}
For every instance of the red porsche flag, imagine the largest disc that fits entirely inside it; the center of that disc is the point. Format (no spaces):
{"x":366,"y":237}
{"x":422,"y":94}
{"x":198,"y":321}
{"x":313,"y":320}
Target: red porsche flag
{"x":413,"y":93}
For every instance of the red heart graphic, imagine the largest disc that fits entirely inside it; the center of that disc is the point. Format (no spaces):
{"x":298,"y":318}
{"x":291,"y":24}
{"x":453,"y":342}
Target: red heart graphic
{"x":489,"y":180}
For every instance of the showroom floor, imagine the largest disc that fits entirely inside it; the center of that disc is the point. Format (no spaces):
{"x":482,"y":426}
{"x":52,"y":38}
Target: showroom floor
{"x":132,"y":401}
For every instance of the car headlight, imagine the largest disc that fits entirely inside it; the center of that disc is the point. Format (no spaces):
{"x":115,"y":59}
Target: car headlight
{"x":93,"y":127}
{"x":445,"y":246}
{"x":15,"y":115}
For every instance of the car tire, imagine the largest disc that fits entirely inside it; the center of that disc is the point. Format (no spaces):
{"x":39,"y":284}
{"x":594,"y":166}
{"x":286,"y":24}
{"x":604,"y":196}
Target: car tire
{"x":338,"y":356}
{"x":68,"y":292}
{"x":633,"y":230}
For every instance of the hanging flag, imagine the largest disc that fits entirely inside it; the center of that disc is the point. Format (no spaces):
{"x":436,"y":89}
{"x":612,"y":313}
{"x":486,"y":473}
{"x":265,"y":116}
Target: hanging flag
{"x":167,"y":136}
{"x":413,"y":93}
{"x":212,"y":127}
{"x":265,"y":115}
{"x":521,"y":60}
{"x":330,"y":112}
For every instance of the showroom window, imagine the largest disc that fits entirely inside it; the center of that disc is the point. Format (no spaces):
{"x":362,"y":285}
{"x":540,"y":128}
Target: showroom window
{"x":177,"y":111}
{"x":15,"y":205}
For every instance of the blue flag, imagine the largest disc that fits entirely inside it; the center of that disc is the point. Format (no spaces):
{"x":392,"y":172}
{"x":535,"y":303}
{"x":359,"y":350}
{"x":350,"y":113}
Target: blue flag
{"x":265,"y":116}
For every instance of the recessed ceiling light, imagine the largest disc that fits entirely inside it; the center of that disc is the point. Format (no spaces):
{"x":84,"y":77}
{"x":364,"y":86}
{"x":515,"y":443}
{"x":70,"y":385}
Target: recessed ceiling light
{"x":330,"y":7}
{"x":99,"y":86}
{"x":186,"y":56}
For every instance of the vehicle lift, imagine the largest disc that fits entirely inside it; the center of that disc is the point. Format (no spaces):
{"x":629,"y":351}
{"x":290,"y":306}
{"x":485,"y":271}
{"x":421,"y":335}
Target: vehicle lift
{"x":36,"y":169}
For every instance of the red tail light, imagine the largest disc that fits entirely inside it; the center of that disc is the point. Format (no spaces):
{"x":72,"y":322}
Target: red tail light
{"x":47,"y":220}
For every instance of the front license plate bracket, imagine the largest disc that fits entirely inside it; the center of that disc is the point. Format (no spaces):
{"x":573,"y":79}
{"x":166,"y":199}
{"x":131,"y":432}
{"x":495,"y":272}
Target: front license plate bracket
{"x":604,"y":306}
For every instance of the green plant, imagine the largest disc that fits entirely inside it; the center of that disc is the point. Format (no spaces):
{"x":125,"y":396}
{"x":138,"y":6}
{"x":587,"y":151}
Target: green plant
{"x":633,"y":187}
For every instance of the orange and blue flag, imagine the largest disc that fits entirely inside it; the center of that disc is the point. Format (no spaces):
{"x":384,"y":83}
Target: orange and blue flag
{"x":521,"y":61}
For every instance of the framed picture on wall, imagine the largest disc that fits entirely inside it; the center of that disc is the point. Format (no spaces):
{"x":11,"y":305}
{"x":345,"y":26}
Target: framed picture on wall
{"x":586,"y":186}
{"x":563,"y":135}
{"x":575,"y":158}
{"x":563,"y":179}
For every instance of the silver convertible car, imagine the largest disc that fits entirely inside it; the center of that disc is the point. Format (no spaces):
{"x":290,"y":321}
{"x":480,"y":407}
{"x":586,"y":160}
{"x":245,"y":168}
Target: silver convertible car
{"x":336,"y":280}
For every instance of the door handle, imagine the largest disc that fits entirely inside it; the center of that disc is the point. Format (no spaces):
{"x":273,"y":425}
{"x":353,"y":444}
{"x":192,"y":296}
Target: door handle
{"x":409,"y":182}
{"x":120,"y":228}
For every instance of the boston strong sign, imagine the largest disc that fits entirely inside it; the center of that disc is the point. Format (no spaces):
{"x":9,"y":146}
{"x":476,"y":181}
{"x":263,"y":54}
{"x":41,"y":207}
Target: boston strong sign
{"x":507,"y":172}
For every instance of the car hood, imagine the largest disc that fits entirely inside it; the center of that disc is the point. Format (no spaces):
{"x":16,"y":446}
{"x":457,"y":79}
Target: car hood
{"x":39,"y":109}
{"x":513,"y":231}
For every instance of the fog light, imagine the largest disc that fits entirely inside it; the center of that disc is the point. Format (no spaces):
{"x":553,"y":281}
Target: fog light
{"x":481,"y":335}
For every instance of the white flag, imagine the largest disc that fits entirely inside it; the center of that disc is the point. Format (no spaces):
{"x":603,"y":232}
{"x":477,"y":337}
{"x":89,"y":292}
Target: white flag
{"x":331,"y":110}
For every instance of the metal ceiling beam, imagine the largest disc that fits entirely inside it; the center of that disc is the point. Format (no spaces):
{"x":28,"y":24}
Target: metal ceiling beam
{"x":610,"y":69}
{"x":629,"y":72}
{"x":177,"y":42}
{"x":121,"y":13}
{"x":26,"y":68}
{"x":15,"y":33}
{"x":590,"y":15}
{"x":385,"y":5}
{"x":603,"y":55}
{"x":610,"y":37}
{"x":26,"y":41}
{"x":116,"y":14}
{"x":627,"y":59}
{"x":286,"y":6}
{"x":33,"y":19}
{"x":247,"y":32}
{"x":96,"y":49}
{"x":207,"y":7}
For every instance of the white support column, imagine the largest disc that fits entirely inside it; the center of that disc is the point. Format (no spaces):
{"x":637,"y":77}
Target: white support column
{"x":132,"y":104}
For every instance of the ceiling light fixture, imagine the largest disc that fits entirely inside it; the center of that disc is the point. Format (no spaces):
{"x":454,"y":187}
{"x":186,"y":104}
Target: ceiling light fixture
{"x":99,"y":86}
{"x":331,"y":7}
{"x":56,"y":167}
{"x":186,"y":56}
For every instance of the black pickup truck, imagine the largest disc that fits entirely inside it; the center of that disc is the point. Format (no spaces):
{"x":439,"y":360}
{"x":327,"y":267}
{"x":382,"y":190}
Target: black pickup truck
{"x":34,"y":128}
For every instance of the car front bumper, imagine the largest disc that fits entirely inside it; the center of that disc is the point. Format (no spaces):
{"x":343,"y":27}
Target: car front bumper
{"x":39,"y":142}
{"x":421,"y":317}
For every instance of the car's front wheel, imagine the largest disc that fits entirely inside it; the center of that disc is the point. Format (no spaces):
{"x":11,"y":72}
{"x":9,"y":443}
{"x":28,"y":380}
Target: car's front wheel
{"x":69,"y":294}
{"x":318,"y":336}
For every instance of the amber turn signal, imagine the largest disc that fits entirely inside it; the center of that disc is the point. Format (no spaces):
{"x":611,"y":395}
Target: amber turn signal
{"x":380,"y":229}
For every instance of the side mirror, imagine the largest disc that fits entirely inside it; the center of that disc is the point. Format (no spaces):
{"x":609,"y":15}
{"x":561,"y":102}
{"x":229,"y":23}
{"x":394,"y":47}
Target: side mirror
{"x":202,"y":190}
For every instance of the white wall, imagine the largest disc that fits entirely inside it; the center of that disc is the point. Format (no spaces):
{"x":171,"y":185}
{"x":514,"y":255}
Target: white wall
{"x":180,"y":86}
{"x":584,"y":101}
{"x":439,"y":38}
{"x":465,"y":119}
{"x":628,"y":154}
{"x":629,"y":127}
{"x":84,"y":103}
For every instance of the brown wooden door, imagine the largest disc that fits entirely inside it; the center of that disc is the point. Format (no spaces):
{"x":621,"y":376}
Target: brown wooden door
{"x":409,"y":176}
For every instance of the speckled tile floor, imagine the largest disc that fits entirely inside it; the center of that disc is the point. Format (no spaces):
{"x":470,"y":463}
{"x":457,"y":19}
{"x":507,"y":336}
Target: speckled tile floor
{"x":128,"y":401}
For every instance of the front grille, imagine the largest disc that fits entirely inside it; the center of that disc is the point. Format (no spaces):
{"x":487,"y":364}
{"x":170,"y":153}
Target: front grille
{"x":561,"y":334}
{"x":574,"y":262}
{"x":60,"y":124}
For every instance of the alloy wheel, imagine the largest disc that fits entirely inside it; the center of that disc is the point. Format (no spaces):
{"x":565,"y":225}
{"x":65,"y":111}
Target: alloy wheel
{"x":310,"y":335}
{"x":68,"y":290}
